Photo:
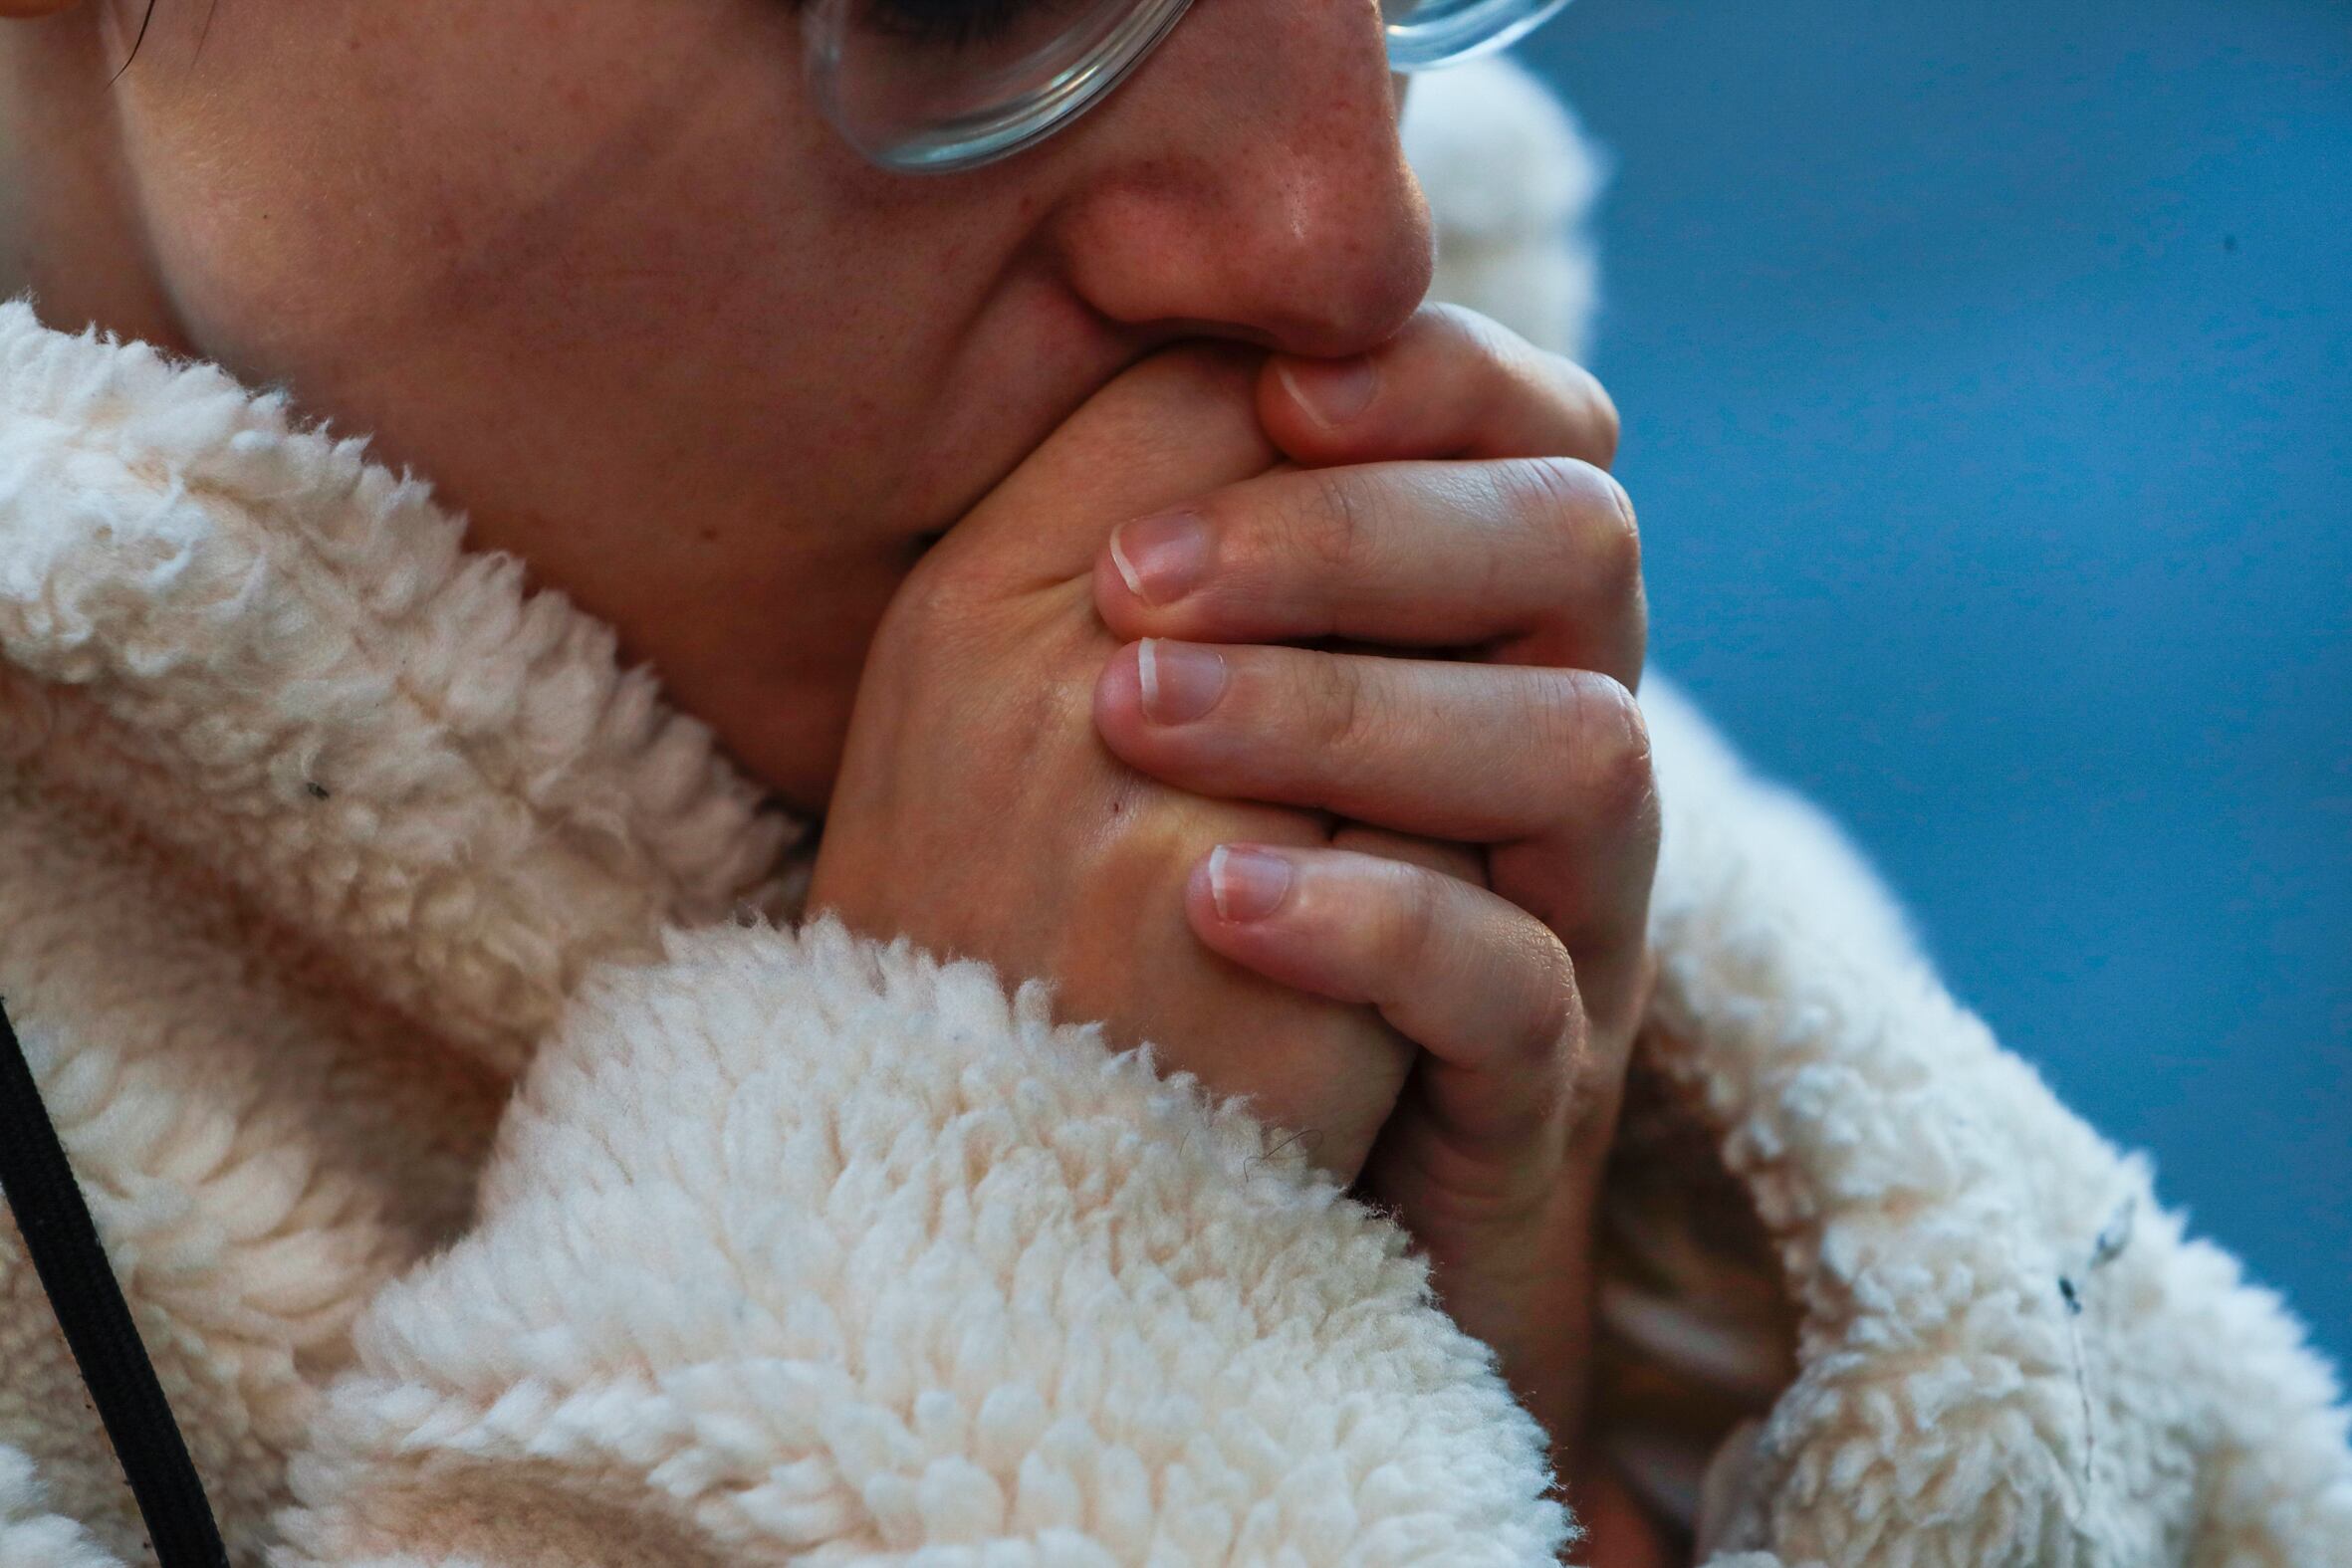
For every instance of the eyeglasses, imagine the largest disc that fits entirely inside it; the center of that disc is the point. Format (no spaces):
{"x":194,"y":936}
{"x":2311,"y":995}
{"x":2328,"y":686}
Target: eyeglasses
{"x":934,"y":86}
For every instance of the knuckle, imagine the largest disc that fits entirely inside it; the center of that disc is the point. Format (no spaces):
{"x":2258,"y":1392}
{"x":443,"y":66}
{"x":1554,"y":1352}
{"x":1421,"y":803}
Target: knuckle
{"x":1613,"y":743}
{"x":1584,"y":520}
{"x":1554,"y":489}
{"x":1637,"y":633}
{"x":1341,"y":706}
{"x":935,"y":617}
{"x":1408,"y":920}
{"x":1332,"y":524}
{"x":1500,"y":372}
{"x":1600,"y":410}
{"x":1554,"y":1027}
{"x":1584,"y":406}
{"x":1502,"y":367}
{"x":1552,"y":500}
{"x":1618,"y":539}
{"x":1550,"y":713}
{"x":1475,"y":337}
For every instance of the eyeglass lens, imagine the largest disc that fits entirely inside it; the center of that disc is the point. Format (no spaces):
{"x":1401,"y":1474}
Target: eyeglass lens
{"x":932,"y":85}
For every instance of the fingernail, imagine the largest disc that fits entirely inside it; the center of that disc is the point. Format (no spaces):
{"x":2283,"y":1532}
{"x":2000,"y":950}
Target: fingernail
{"x":1333,"y":392}
{"x":1247,"y":883}
{"x":1162,"y":556}
{"x":1181,"y":680}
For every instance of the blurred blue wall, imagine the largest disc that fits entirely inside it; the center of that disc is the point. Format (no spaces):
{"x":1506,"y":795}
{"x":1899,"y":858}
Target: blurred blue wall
{"x":1987,"y":371}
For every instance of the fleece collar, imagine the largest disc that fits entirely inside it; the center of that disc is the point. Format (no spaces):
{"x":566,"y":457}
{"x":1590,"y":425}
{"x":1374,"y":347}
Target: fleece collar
{"x":276,"y":659}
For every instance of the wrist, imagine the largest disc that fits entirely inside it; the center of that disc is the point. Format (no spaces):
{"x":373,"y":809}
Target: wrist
{"x":1526,"y":1291}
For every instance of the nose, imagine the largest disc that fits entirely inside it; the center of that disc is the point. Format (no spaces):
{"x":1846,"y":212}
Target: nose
{"x":1249,"y":182}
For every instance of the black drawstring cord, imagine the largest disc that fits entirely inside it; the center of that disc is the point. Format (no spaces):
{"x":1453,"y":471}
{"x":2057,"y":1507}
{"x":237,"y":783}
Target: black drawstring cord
{"x":66,"y":1254}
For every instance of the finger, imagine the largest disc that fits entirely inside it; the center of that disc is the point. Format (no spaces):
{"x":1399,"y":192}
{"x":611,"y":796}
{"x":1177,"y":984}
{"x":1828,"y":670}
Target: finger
{"x":1381,"y":740}
{"x":1467,"y":861}
{"x":1468,"y":975}
{"x":1601,"y":903}
{"x":1451,"y":383}
{"x":1540,"y":557}
{"x":1564,"y":792}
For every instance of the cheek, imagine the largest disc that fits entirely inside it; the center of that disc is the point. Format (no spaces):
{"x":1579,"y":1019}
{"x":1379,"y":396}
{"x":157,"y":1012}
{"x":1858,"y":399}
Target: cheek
{"x":534,"y":216}
{"x":393,"y":168}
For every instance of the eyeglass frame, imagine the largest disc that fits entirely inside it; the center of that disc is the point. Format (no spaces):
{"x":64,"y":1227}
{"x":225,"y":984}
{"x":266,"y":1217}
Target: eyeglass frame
{"x":822,"y":56}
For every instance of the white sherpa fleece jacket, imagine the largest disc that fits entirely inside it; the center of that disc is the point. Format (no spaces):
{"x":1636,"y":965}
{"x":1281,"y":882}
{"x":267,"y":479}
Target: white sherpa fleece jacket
{"x":501,"y":1176}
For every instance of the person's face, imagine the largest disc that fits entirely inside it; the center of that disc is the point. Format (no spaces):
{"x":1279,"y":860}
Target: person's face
{"x":599,"y":270}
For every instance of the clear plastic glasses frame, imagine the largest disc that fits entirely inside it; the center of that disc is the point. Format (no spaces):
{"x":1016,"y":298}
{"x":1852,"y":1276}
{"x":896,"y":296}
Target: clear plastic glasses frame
{"x":931,"y":89}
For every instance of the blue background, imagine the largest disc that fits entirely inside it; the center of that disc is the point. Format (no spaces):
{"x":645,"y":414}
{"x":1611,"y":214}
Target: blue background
{"x":1987,"y":373}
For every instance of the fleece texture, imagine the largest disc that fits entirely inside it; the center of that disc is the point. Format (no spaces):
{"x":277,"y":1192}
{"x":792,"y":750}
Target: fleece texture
{"x":501,"y":1174}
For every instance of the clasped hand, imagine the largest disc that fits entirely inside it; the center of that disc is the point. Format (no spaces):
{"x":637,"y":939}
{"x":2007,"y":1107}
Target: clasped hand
{"x":1322,"y":772}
